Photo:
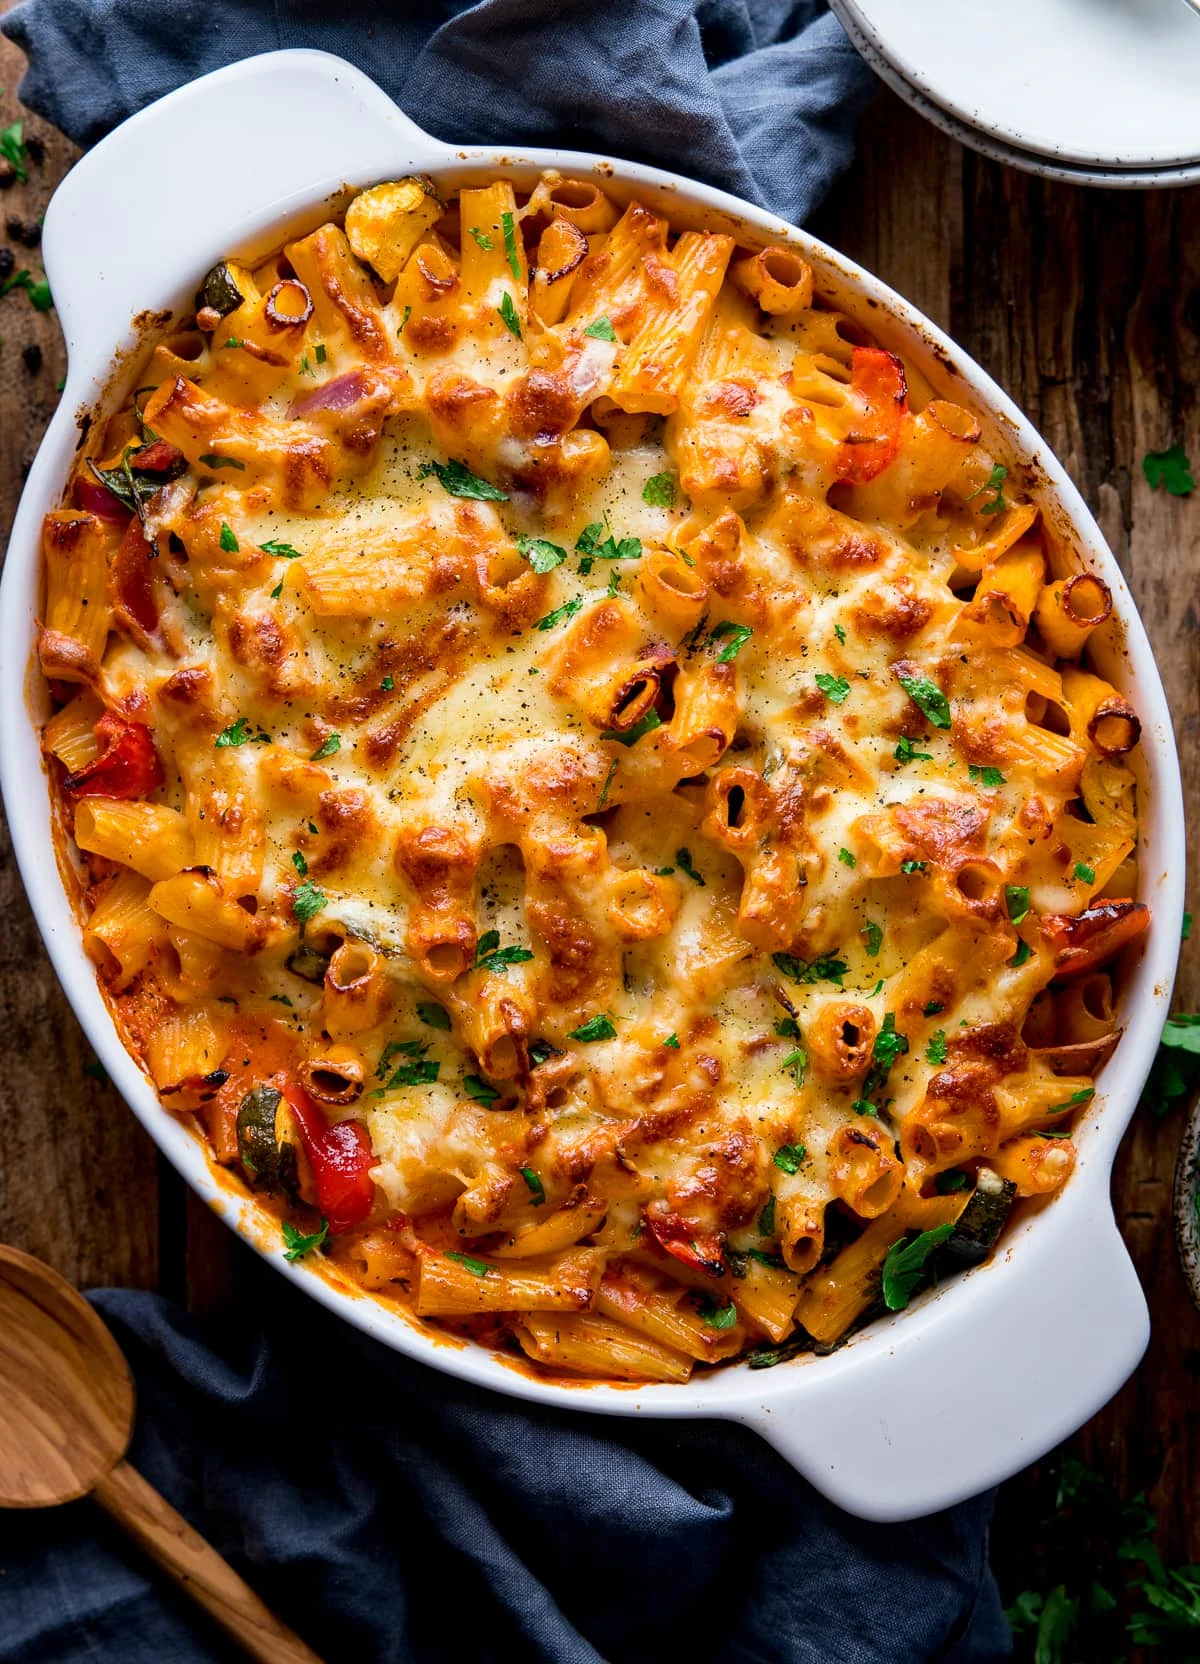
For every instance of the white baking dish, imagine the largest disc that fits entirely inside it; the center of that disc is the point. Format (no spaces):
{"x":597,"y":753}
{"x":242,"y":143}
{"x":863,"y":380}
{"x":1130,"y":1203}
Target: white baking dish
{"x":977,"y":1379}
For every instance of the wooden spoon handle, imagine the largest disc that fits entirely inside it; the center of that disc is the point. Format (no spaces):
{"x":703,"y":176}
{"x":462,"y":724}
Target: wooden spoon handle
{"x":197,"y":1567}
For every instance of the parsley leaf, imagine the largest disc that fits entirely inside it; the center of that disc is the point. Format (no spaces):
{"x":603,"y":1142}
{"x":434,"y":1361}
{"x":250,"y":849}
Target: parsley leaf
{"x":421,"y":1072}
{"x":477,"y":1268}
{"x":388,"y":684}
{"x":928,"y":698}
{"x":826,"y":969}
{"x":433,"y":1016}
{"x":1086,"y":873}
{"x":766,"y":1219}
{"x":993,"y":483}
{"x":596,"y":1028}
{"x":601,"y":330}
{"x":238,"y":733}
{"x":300,"y":864}
{"x":908,"y":867}
{"x":327,"y":747}
{"x":847,"y":858}
{"x":508,"y":315}
{"x":840,"y":634}
{"x":1016,"y":900}
{"x":935,"y":1051}
{"x":509,"y":226}
{"x":739,"y":635}
{"x":717,"y":1316}
{"x":904,"y":1265}
{"x":873,"y":933}
{"x":297,"y":1244}
{"x":672,"y":1040}
{"x":228,"y":539}
{"x":984,"y":776}
{"x":788,"y":1158}
{"x":490,"y":956}
{"x":407,"y":315}
{"x":1084,"y":1095}
{"x":932,"y":1009}
{"x":659,"y":491}
{"x":212,"y":459}
{"x":14,"y":151}
{"x":836,"y":688}
{"x":482,"y":238}
{"x":307,"y":902}
{"x":567,"y":610}
{"x":458,"y":480}
{"x":322,"y":355}
{"x":683,"y":860}
{"x":536,"y":1188}
{"x":644,"y":725}
{"x":476,"y":1087}
{"x":542,"y":555}
{"x":949,"y":1181}
{"x":906,"y":752}
{"x":1170,"y":468}
{"x":275,"y":547}
{"x":890,"y":1045}
{"x":795,"y":1064}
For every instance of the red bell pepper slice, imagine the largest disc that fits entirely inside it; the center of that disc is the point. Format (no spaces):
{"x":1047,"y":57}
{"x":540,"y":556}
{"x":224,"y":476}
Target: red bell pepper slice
{"x":341,"y":1159}
{"x":127,"y":766}
{"x":1080,"y":942}
{"x":701,"y":1249}
{"x":132,"y":577}
{"x":878,"y":402}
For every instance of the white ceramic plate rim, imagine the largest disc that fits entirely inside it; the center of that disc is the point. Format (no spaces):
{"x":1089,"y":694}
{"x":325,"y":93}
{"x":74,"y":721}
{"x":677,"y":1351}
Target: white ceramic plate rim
{"x":961,"y":89}
{"x":987,"y":144}
{"x":1005,"y":1361}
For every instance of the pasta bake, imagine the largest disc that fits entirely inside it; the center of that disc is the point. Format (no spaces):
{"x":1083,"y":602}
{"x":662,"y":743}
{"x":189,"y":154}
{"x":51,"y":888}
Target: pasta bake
{"x":584,"y":780}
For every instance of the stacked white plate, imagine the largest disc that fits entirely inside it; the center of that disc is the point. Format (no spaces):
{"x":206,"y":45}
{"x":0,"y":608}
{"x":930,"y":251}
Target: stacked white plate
{"x":1100,"y":92}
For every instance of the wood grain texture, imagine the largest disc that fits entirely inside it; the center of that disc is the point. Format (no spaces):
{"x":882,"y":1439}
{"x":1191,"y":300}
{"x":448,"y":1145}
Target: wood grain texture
{"x":77,"y":1173}
{"x":1085,"y":305}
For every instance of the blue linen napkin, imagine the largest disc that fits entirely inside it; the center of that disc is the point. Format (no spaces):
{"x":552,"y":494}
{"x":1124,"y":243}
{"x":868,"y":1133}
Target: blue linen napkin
{"x":392,"y":1515}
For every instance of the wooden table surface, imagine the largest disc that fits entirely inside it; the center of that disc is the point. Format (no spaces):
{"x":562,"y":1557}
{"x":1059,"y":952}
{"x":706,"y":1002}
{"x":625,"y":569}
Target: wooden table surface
{"x":1085,"y":306}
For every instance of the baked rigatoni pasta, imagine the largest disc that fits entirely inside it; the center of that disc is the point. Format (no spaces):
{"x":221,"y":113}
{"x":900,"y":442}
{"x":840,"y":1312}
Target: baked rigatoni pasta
{"x":586,"y":787}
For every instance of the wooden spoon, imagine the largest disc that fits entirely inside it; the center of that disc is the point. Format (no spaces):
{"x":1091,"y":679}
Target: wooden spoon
{"x":68,"y":1416}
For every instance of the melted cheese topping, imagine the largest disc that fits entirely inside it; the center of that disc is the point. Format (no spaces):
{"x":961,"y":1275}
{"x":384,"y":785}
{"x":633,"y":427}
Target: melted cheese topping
{"x":618,"y":760}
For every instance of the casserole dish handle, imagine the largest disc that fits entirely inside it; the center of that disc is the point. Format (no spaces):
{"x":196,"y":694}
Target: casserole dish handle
{"x":1033,"y":1354}
{"x":220,"y":156}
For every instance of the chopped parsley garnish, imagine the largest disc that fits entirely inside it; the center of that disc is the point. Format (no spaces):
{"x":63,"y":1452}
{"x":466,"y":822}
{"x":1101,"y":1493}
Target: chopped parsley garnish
{"x":683,"y":860}
{"x":906,"y":752}
{"x":280,"y":999}
{"x":601,"y":330}
{"x":1082,"y":870}
{"x":477,"y":1268}
{"x":787,"y":1028}
{"x":908,"y":867}
{"x":928,"y":698}
{"x":229,"y":540}
{"x":404,"y":319}
{"x":297,"y":1244}
{"x":608,"y":780}
{"x":238,"y":733}
{"x":399,"y":1048}
{"x":277,"y":591}
{"x":717,"y":1316}
{"x":766,"y":1219}
{"x":795,"y":1063}
{"x":1084,"y":1095}
{"x":951,"y":1180}
{"x":935,"y":1051}
{"x":388,"y":684}
{"x":672,"y":1040}
{"x":542,"y":555}
{"x":433,"y":1016}
{"x":659,"y":491}
{"x":567,"y":610}
{"x":1024,"y":952}
{"x":644,"y":725}
{"x":591,"y":545}
{"x":873,"y":935}
{"x":1016,"y":900}
{"x":536,"y":1188}
{"x":284,"y":550}
{"x":993,"y":483}
{"x":836,"y":688}
{"x":739,"y":635}
{"x":232,"y":341}
{"x":490,"y":956}
{"x":984,"y":776}
{"x":890,"y":1045}
{"x":1177,"y":1065}
{"x":212,"y":459}
{"x":840,"y":634}
{"x":847,"y":859}
{"x":826,"y":969}
{"x":541,"y":1051}
{"x":788,"y":1158}
{"x":307,"y":902}
{"x":327,"y":747}
{"x":306,"y":368}
{"x":38,"y":292}
{"x":596,"y":1028}
{"x":300,"y":864}
{"x":14,"y":151}
{"x":458,"y":480}
{"x":904,"y":1265}
{"x":1171,"y":469}
{"x":476,"y":1087}
{"x":481,"y":237}
{"x":932,"y":1009}
{"x":420,"y":1072}
{"x":509,"y":226}
{"x":508,"y":315}
{"x":322,"y":355}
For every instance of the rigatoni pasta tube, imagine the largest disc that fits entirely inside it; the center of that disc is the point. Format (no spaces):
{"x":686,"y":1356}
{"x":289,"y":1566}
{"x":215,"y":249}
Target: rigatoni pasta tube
{"x":460,"y":1284}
